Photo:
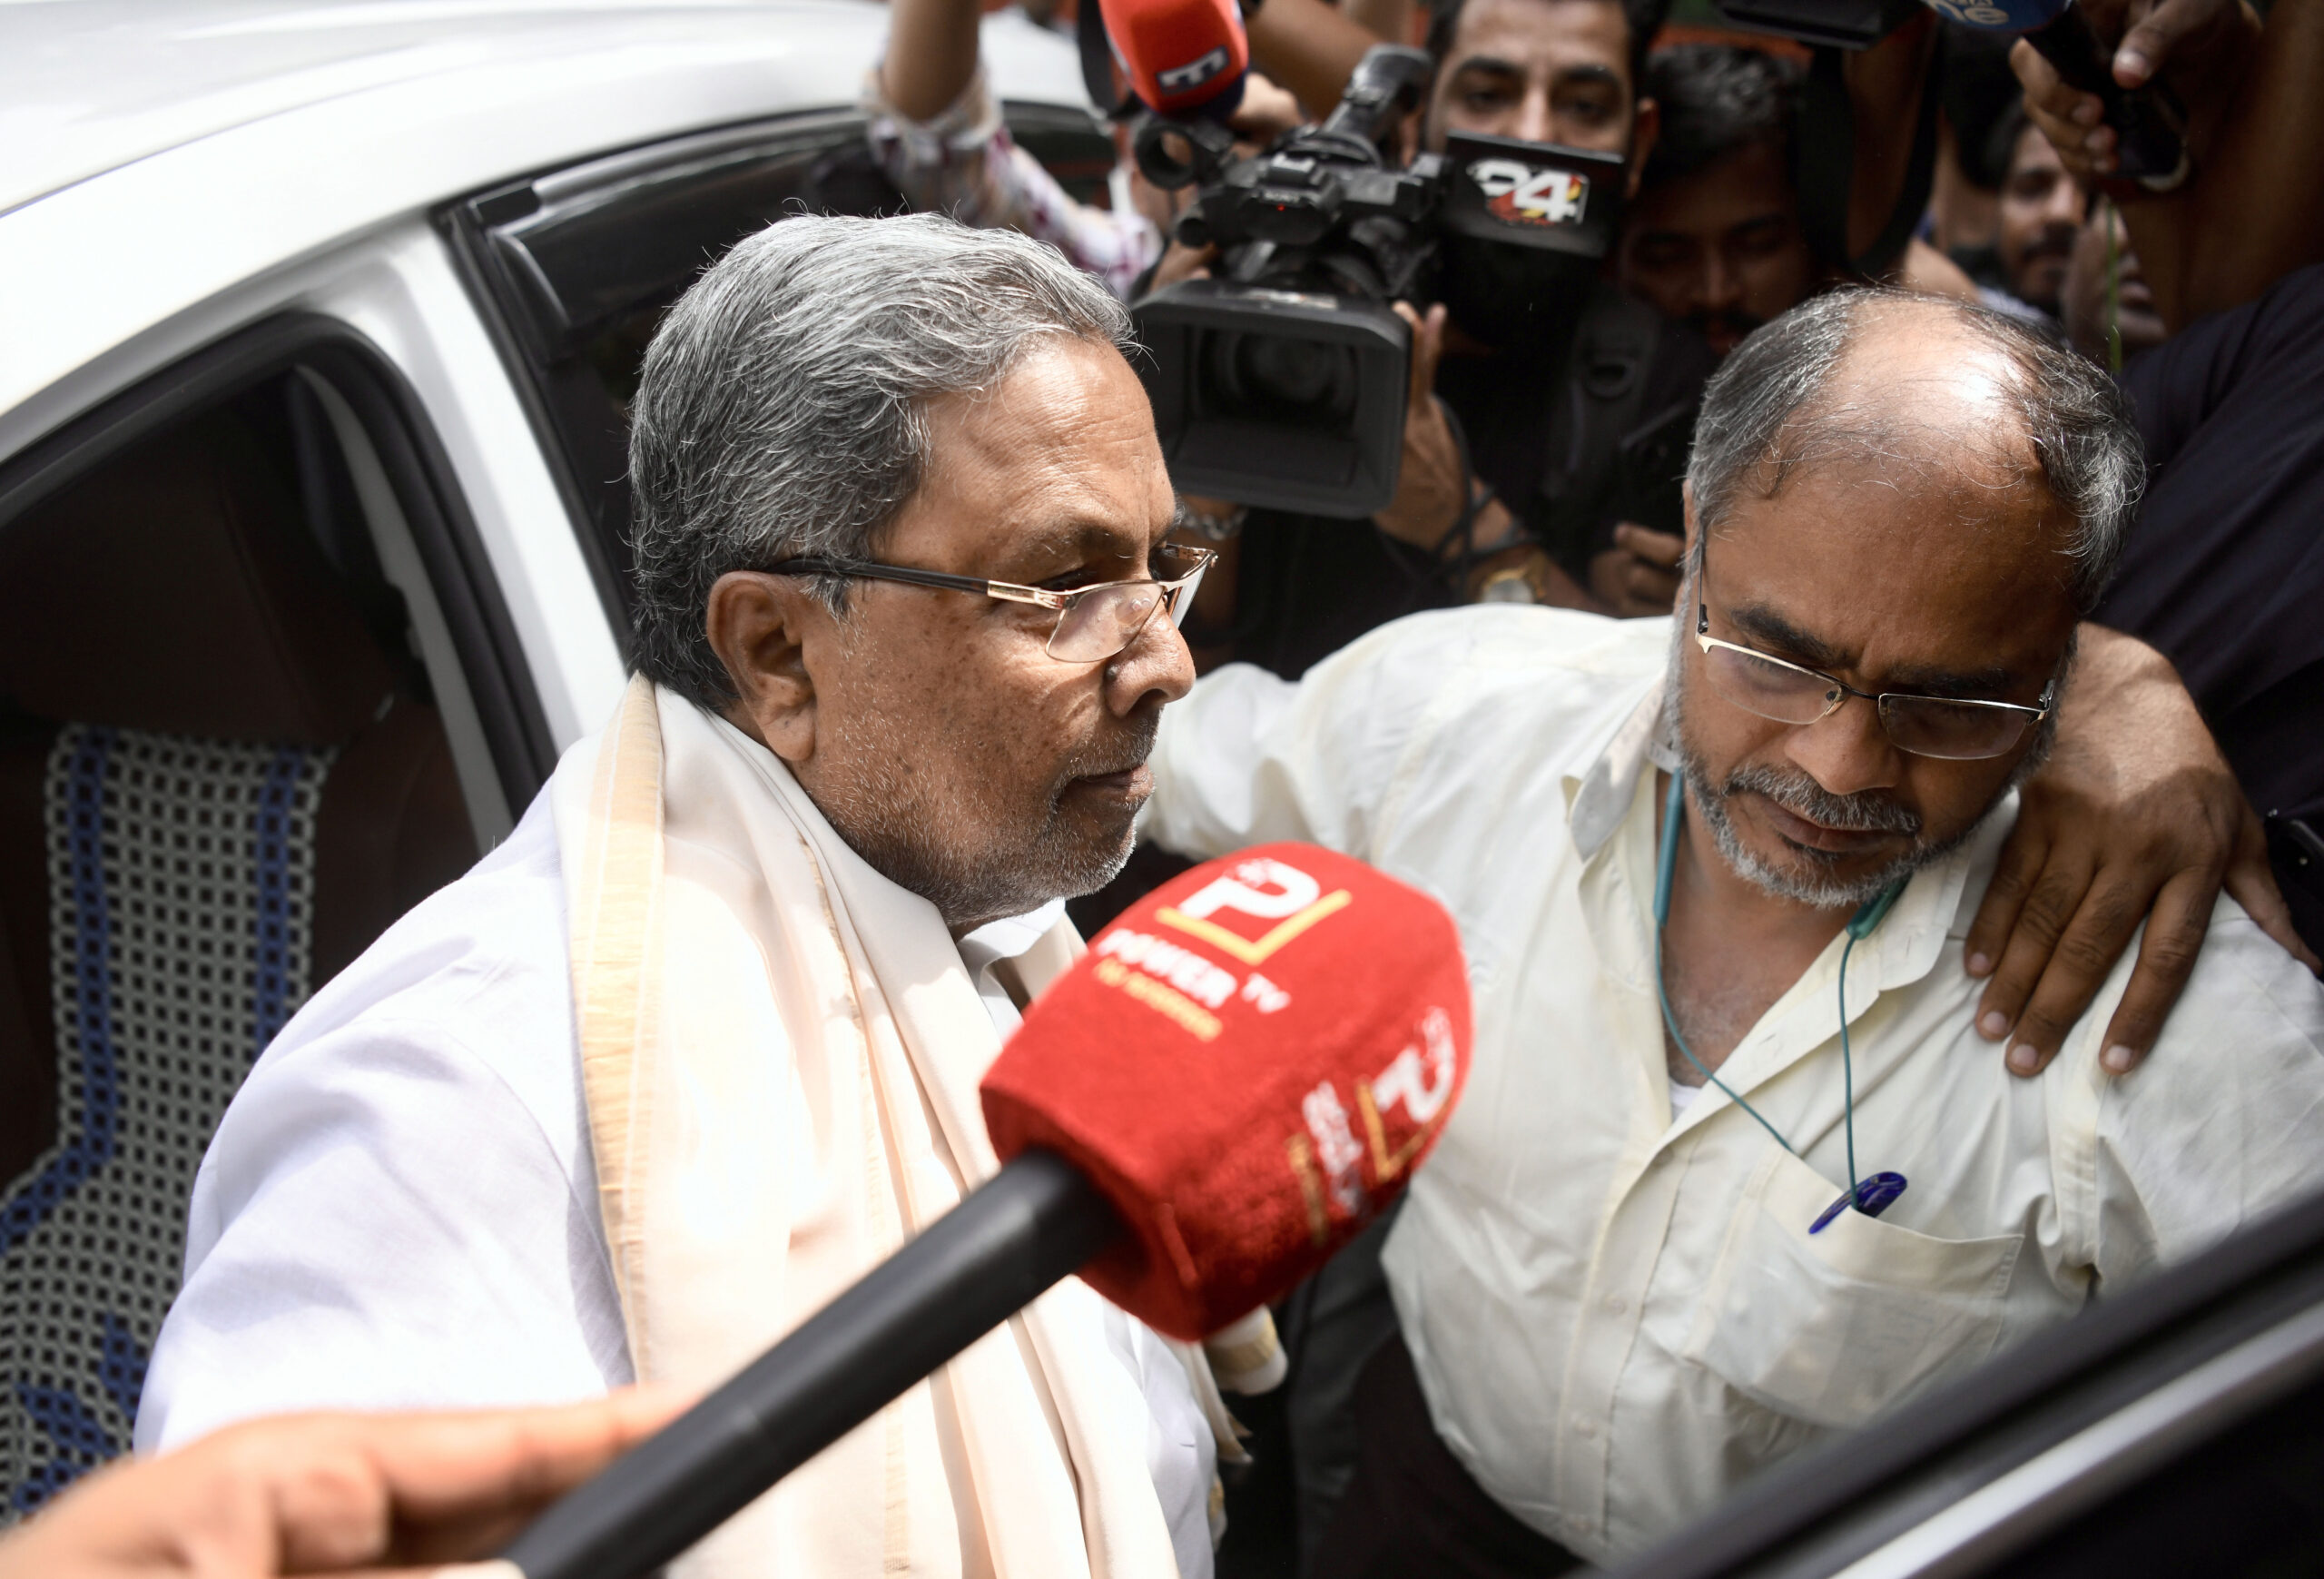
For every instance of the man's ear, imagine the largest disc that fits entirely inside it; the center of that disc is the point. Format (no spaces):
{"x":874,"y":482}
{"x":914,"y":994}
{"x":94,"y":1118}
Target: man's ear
{"x":758,"y":624}
{"x":1646,"y":129}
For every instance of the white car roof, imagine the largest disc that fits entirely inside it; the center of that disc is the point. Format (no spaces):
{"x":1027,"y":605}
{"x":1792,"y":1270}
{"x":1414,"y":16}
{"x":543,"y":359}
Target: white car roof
{"x":88,"y":85}
{"x":156,"y":153}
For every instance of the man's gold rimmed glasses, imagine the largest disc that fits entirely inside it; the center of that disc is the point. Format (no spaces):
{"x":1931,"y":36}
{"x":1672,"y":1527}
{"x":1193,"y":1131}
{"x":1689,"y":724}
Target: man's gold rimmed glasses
{"x":1093,"y":623}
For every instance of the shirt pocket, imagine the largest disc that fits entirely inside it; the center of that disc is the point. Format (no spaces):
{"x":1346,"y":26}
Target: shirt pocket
{"x":1832,"y":1328}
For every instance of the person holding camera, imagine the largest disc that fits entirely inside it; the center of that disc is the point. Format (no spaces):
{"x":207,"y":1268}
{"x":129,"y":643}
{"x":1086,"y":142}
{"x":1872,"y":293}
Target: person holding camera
{"x":1719,"y":238}
{"x":1526,"y":380}
{"x":1549,"y":412}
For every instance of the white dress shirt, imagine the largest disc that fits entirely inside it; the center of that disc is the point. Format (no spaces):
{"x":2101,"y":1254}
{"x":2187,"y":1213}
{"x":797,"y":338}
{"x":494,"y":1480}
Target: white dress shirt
{"x":1615,"y":1307}
{"x":399,"y":1208}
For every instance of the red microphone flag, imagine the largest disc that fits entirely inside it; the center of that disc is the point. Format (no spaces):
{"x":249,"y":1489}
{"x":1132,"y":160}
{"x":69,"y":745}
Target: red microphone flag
{"x":1179,"y":54}
{"x":1249,"y":1062}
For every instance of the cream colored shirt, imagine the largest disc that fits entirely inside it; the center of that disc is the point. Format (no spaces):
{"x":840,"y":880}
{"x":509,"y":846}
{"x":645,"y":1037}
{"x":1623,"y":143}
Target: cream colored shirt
{"x":1617,"y":1313}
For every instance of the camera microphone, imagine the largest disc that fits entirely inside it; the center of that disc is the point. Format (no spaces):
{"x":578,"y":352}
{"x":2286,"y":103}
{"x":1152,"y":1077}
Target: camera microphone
{"x":1243,"y":1071}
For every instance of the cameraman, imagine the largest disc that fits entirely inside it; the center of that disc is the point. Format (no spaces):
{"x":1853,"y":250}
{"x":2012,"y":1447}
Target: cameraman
{"x":1574,"y":401}
{"x":1716,"y":237}
{"x":1541,"y":368}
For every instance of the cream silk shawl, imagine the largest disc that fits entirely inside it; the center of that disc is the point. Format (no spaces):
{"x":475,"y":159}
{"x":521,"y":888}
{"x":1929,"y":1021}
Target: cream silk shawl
{"x":780,"y":1049}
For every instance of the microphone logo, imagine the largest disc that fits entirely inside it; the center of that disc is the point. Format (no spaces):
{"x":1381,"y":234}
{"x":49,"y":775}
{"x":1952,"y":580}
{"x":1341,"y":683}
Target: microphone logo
{"x":1184,"y":986}
{"x":1263,"y":888}
{"x":1517,"y":193}
{"x":1251,"y":1062}
{"x":1420,"y":1080}
{"x":1186,"y":78}
{"x":1335,"y":1147}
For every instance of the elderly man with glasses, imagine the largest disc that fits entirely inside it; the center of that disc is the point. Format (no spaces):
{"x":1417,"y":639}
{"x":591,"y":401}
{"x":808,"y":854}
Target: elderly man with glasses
{"x":699,"y":1045}
{"x":1735,"y":1169}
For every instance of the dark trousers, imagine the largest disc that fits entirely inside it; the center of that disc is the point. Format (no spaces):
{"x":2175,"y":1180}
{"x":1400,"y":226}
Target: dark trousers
{"x":1413,"y":1510}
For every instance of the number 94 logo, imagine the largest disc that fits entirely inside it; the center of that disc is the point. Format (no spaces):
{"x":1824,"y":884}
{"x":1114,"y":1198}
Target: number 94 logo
{"x":1519,"y":193}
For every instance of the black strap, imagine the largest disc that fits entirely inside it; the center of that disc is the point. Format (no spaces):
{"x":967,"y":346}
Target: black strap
{"x":1823,"y":150}
{"x":1098,"y":62}
{"x":1601,"y":396}
{"x":1824,"y":157}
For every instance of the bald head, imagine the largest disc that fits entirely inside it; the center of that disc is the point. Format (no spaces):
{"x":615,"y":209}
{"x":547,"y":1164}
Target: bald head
{"x":2015,"y":449}
{"x":1915,"y":498}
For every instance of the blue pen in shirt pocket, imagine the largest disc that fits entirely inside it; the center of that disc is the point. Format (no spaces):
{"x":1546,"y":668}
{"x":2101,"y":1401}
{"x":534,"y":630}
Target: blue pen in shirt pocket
{"x":1873,"y":1196}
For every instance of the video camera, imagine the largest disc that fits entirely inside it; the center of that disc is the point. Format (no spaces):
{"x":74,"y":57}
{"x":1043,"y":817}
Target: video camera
{"x":1283,"y":381}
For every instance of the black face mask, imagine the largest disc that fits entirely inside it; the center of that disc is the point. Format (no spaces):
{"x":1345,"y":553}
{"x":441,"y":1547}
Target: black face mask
{"x":1512,"y":298}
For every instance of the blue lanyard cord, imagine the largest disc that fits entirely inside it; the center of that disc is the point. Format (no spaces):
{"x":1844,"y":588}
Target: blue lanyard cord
{"x":1867,"y":916}
{"x":1847,"y":1064}
{"x":1666,"y":865}
{"x":1860,"y":926}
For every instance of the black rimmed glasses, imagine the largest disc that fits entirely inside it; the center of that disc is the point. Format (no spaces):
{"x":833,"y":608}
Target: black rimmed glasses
{"x":1093,"y":623}
{"x":1954,"y":730}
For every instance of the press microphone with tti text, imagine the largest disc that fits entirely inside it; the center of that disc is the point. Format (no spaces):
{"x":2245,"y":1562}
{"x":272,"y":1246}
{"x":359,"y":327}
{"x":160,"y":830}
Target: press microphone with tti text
{"x":1243,"y":1071}
{"x":1181,"y":59}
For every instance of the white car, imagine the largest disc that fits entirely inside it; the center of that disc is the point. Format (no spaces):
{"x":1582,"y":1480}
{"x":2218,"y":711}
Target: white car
{"x":317,"y":325}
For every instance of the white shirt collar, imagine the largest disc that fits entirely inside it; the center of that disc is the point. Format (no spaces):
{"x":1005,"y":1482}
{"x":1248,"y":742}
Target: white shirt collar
{"x":1903,"y":948}
{"x":1597,"y":801}
{"x":1006,"y":939}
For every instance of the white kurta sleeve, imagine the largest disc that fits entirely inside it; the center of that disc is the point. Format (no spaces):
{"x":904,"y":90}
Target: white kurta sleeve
{"x":2224,"y":1122}
{"x":1249,"y":757}
{"x":396,"y":1211}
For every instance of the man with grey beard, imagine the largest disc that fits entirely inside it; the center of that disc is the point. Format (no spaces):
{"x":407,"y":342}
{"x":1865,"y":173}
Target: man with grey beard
{"x":1734,"y":1170}
{"x":698,"y":1046}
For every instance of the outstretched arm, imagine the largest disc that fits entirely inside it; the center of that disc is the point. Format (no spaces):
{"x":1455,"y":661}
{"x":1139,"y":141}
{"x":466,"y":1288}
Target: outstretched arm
{"x":1885,"y":85}
{"x":331,"y":1493}
{"x":2136,"y":817}
{"x":931,"y":55}
{"x":936,"y":132}
{"x":1310,"y":47}
{"x":2255,"y":135}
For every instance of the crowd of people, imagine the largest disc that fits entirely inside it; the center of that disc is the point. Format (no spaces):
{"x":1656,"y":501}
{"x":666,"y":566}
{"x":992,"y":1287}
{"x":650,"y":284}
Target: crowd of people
{"x":1961,"y":424}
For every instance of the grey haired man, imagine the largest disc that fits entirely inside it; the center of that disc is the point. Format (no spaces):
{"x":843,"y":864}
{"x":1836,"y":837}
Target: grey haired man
{"x":698,"y":1045}
{"x":1734,"y":1172}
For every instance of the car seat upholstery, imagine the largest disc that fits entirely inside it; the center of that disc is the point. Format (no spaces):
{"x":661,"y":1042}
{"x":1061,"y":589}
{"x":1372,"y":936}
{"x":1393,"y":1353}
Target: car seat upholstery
{"x":214,"y":791}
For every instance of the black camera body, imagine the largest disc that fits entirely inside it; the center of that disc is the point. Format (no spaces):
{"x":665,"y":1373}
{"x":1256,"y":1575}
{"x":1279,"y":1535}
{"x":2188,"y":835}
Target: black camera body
{"x":1283,"y":383}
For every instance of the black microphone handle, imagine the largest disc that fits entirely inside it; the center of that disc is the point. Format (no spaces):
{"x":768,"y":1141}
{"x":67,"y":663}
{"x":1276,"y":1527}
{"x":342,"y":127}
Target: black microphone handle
{"x":1034,"y":1222}
{"x":2147,"y":145}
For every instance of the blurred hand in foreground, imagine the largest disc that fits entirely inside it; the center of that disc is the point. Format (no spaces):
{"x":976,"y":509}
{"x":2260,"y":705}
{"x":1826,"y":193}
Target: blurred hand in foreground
{"x":375,"y":1494}
{"x":1431,"y":484}
{"x":1638,"y":576}
{"x":2205,"y":46}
